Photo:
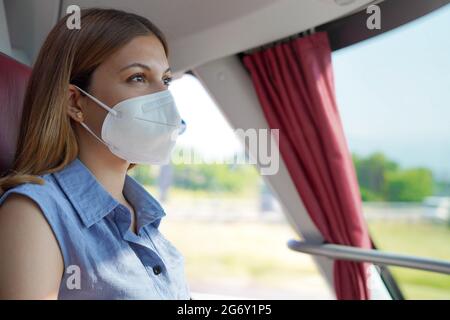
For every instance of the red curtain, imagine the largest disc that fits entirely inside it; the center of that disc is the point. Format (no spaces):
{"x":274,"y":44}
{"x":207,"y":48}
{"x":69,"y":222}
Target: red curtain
{"x":295,"y":86}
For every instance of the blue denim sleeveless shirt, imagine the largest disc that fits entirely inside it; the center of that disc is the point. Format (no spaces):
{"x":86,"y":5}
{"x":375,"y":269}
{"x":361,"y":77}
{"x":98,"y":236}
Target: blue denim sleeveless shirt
{"x":103,"y":258}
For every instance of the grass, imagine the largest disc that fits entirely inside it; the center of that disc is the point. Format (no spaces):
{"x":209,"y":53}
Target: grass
{"x":254,"y":253}
{"x":420,"y":239}
{"x":238,"y":249}
{"x":257,"y":253}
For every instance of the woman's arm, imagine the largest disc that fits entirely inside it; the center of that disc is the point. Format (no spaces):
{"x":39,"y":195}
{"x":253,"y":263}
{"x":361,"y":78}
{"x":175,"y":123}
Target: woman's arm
{"x":31,"y":263}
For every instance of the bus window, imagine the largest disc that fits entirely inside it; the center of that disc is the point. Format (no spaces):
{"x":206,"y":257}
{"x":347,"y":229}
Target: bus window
{"x":394,"y":100}
{"x":222,"y":216}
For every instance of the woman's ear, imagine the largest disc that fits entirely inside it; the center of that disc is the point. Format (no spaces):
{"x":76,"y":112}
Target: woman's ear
{"x":74,"y":110}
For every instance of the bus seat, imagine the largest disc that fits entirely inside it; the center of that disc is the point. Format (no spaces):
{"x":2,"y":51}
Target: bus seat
{"x":13,"y":83}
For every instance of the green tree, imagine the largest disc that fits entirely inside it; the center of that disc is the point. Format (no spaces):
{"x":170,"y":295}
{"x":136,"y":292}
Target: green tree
{"x":371,"y":172}
{"x":409,"y":185}
{"x":381,"y":179}
{"x":215,"y":177}
{"x":144,"y":174}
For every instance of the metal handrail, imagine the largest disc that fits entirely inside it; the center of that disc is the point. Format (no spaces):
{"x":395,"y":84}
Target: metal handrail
{"x":341,"y":252}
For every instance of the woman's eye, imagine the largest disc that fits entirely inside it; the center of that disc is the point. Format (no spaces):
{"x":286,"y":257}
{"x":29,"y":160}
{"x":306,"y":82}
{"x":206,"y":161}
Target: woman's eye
{"x":167,"y":81}
{"x":137,"y":78}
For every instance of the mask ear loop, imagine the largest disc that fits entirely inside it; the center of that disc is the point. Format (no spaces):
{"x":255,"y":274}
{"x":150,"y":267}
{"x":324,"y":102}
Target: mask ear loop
{"x":92,"y":132}
{"x":102,"y":105}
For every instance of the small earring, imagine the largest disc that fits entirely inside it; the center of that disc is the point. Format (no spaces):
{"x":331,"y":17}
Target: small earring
{"x":79,"y":116}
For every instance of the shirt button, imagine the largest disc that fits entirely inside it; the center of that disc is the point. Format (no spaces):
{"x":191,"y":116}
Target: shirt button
{"x":157,"y":270}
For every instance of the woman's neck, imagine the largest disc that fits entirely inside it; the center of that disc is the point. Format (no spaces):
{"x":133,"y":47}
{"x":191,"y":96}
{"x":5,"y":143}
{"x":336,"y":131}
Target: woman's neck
{"x":109,"y":170}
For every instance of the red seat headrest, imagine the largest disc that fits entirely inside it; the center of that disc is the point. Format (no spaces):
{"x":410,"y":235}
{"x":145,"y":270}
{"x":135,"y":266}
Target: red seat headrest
{"x":13,"y":83}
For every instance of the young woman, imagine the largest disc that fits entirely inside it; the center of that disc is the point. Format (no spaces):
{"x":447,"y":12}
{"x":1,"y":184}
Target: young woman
{"x":73,"y":223}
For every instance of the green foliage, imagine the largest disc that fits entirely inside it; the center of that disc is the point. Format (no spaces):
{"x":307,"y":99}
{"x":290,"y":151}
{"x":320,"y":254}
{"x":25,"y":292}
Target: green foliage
{"x":216,"y":177}
{"x":409,"y":185}
{"x":367,"y":195}
{"x":381,"y":179}
{"x":144,"y":174}
{"x":210,"y":177}
{"x":371,"y":172}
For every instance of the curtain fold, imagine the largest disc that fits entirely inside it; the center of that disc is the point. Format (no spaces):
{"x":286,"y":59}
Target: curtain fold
{"x":295,"y":86}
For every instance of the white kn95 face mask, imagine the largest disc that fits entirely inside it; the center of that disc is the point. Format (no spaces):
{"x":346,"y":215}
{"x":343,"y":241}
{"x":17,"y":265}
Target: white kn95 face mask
{"x":142,"y":129}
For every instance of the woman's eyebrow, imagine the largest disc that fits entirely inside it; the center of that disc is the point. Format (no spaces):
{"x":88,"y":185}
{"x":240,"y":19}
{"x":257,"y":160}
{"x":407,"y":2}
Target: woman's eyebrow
{"x":136,"y":64}
{"x":141,"y":65}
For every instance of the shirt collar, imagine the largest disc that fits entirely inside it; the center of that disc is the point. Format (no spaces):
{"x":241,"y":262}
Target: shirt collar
{"x":93,"y":202}
{"x":148,"y":209}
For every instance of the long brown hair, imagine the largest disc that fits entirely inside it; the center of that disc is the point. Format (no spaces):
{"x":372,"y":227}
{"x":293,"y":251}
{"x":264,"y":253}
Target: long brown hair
{"x":47,"y":141}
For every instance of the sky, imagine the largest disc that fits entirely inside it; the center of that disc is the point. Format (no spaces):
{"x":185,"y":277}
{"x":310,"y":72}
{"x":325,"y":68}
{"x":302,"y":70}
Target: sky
{"x":393,"y":93}
{"x":207,"y":131}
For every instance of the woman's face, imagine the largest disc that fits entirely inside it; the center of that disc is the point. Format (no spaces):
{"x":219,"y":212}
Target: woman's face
{"x":138,"y":68}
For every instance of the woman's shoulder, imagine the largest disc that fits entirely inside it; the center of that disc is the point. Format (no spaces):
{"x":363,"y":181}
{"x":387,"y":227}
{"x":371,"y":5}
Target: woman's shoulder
{"x":37,"y":207}
{"x":28,"y":238}
{"x":46,"y":198}
{"x":30,"y":200}
{"x":42,"y":194}
{"x":27,"y":198}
